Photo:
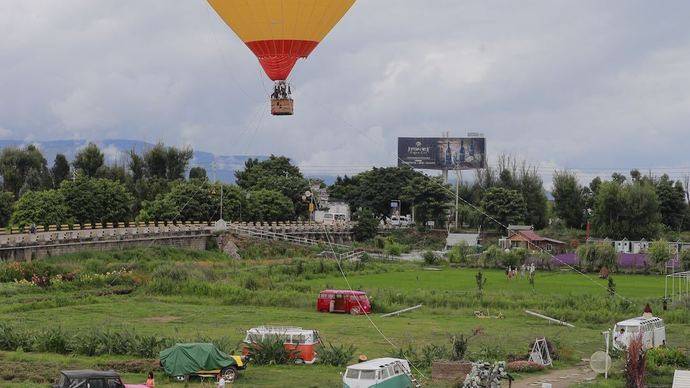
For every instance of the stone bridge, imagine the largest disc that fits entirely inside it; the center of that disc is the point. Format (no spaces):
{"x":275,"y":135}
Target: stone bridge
{"x":16,"y":245}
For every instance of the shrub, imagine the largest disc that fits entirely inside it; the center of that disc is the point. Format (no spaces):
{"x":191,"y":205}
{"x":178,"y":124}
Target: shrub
{"x":395,"y":249}
{"x":367,"y":225}
{"x":335,"y":355}
{"x":634,"y":370}
{"x":660,"y":357}
{"x":430,"y":258}
{"x":492,"y":255}
{"x":271,"y":351}
{"x":169,"y":271}
{"x":458,"y":254}
{"x":431,"y":353}
{"x":490,"y":353}
{"x":685,"y":259}
{"x":458,"y":347}
{"x":522,"y":366}
{"x":251,"y":284}
{"x":594,"y":257}
{"x":12,"y":339}
{"x":52,"y":340}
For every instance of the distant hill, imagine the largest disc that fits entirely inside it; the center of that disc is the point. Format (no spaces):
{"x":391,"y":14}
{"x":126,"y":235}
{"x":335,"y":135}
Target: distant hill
{"x":116,"y":151}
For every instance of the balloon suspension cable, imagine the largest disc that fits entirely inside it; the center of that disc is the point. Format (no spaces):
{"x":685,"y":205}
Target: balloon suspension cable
{"x":281,"y":90}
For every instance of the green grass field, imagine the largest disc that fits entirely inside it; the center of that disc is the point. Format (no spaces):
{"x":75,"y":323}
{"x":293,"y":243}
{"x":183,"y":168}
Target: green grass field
{"x":214,"y":299}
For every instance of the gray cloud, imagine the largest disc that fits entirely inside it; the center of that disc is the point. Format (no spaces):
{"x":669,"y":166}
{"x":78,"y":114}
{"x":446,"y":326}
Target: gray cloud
{"x":578,"y":84}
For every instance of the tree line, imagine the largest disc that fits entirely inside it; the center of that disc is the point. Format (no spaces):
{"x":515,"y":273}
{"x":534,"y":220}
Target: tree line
{"x":154,"y":185}
{"x":159,"y":184}
{"x":512,"y":192}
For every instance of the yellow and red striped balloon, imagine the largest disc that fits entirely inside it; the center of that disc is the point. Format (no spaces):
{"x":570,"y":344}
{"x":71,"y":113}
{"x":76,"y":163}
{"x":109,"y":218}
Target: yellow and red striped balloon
{"x":281,"y":31}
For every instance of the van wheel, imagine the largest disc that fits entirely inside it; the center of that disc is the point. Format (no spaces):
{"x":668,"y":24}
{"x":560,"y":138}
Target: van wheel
{"x":355,"y":311}
{"x":299,"y":361}
{"x":229,"y":374}
{"x":181,"y":378}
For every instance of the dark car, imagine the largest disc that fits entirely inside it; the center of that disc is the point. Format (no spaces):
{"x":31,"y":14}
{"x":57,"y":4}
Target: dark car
{"x":91,"y":379}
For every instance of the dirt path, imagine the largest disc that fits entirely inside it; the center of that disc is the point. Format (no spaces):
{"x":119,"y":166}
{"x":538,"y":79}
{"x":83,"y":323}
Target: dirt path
{"x":559,"y":378}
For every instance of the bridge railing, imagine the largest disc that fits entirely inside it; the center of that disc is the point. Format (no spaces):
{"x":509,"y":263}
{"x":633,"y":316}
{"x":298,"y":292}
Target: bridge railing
{"x":280,"y":225}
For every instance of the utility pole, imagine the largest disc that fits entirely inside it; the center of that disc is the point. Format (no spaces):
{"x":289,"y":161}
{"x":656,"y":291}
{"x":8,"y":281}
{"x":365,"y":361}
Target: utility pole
{"x":457,"y":195}
{"x":221,"y":200}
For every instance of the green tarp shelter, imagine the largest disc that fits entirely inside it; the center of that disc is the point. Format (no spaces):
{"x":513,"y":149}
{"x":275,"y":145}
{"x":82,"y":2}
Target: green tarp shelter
{"x":185,"y":359}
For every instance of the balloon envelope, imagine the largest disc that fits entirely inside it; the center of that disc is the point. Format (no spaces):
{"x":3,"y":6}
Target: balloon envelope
{"x":281,"y":31}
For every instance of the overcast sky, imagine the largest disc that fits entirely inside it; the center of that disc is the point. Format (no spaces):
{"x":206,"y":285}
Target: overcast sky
{"x":588,"y":85}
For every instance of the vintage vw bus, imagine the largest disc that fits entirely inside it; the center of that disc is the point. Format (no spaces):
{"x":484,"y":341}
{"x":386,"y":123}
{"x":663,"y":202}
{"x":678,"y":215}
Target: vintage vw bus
{"x":300,"y":341}
{"x":380,"y":372}
{"x":652,"y":329}
{"x":343,"y":301}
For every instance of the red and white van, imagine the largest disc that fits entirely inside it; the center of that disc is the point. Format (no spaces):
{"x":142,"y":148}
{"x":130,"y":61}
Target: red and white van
{"x":343,"y":301}
{"x":294,"y":338}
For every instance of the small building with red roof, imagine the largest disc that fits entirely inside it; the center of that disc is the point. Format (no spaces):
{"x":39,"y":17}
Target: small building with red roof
{"x":520,"y":236}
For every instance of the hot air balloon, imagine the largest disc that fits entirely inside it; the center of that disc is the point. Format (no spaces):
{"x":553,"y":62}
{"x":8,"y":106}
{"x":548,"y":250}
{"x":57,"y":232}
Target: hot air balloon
{"x":279,"y":32}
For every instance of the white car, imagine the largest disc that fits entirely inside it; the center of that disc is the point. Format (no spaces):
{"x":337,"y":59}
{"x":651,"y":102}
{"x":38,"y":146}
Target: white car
{"x":402,"y":221}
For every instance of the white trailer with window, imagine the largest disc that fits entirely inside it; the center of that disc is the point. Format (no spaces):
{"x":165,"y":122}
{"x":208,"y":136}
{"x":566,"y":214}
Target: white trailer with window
{"x":652,"y":329}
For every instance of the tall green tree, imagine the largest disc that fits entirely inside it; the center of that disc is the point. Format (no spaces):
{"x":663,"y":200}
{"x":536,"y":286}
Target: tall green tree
{"x":60,"y":170}
{"x":18,"y":164}
{"x":197,"y":173}
{"x":6,"y":204}
{"x":136,"y":166}
{"x":367,"y":225}
{"x":41,"y":208}
{"x":532,"y":189}
{"x":97,"y":200}
{"x":35,"y":180}
{"x":275,"y":173}
{"x":195,"y":201}
{"x":376,"y":188}
{"x":274,"y":166}
{"x":672,"y":204}
{"x":165,"y":162}
{"x":504,"y":205}
{"x":429,"y":197}
{"x":89,"y":160}
{"x":269,"y":205}
{"x":626,"y":210}
{"x":594,"y":185}
{"x":568,"y":199}
{"x":177,"y":160}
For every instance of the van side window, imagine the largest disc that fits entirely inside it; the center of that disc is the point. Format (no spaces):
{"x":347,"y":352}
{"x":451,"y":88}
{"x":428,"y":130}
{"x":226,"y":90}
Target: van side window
{"x":384,"y":373}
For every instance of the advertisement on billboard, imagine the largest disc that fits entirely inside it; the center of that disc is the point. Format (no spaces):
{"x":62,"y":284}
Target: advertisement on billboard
{"x":442,"y":153}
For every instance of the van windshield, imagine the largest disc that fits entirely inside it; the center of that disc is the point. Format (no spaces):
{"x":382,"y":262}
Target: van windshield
{"x":367,"y":375}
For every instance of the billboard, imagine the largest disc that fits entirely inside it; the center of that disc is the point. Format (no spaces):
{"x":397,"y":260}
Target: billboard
{"x":442,"y":153}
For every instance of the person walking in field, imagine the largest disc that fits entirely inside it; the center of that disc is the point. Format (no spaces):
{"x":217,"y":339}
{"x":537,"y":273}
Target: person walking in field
{"x":221,"y":382}
{"x":522,"y":271}
{"x":149,"y":381}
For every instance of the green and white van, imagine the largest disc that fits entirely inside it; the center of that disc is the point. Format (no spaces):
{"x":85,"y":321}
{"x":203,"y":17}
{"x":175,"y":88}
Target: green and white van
{"x":379,"y":373}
